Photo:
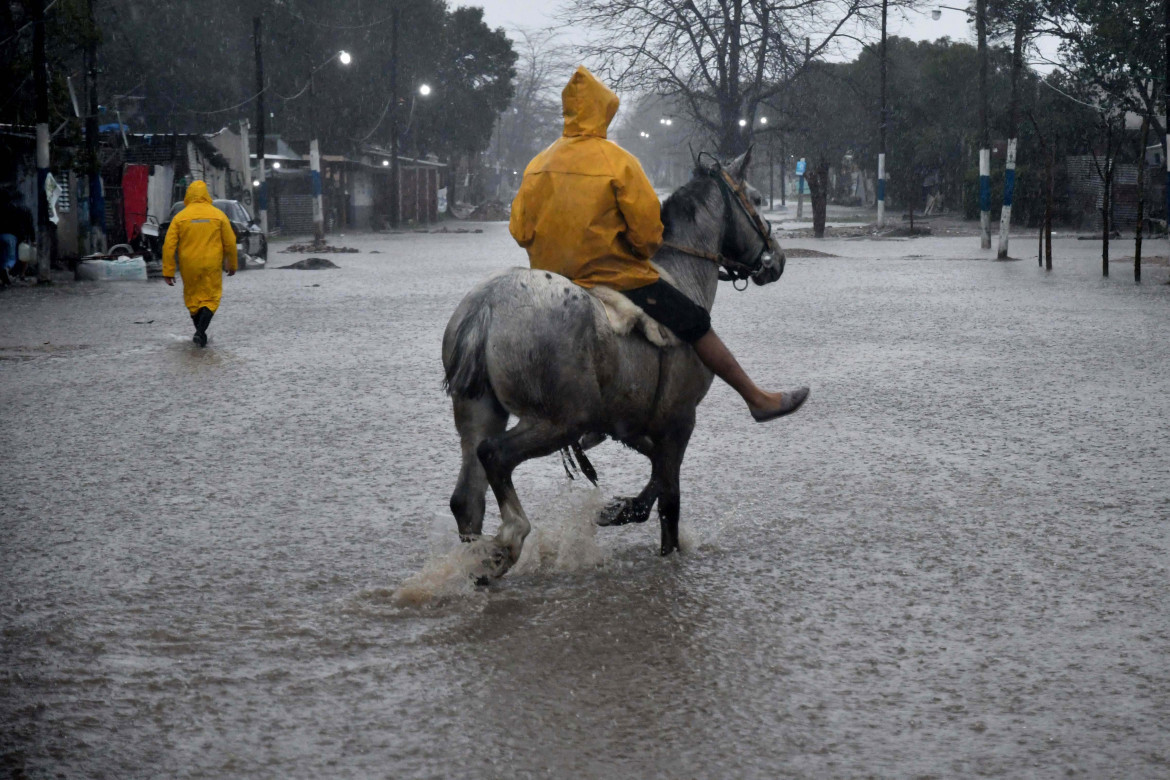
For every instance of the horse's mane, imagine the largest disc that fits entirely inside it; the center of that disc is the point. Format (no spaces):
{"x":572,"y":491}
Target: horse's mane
{"x":684,"y":202}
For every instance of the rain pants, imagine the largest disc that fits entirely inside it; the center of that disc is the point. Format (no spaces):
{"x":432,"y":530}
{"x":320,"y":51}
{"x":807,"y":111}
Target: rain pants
{"x":200,"y":238}
{"x":585,"y":209}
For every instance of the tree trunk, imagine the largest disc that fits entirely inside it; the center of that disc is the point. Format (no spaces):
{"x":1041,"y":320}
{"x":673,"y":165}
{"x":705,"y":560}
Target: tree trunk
{"x":1106,"y":200}
{"x":1141,"y":204}
{"x":817,"y":177}
{"x":1048,"y":210}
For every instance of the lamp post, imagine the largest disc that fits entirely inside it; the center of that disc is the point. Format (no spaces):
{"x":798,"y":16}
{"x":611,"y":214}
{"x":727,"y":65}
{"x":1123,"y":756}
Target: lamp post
{"x":261,"y":186}
{"x":881,"y":182}
{"x":315,"y":152}
{"x":980,"y":14}
{"x":771,"y":167}
{"x":41,"y":82}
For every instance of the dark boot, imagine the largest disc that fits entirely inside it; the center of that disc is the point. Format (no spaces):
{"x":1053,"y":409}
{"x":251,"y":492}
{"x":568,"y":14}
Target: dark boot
{"x":202,"y":319}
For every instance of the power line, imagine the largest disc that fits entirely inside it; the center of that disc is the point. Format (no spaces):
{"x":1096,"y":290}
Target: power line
{"x":26,"y":25}
{"x":1070,"y":97}
{"x":334,"y":26}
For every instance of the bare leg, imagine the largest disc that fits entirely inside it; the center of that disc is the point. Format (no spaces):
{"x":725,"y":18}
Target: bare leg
{"x":763,"y":405}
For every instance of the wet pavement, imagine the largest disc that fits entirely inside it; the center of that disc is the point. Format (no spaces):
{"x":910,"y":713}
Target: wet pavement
{"x":238,"y":561}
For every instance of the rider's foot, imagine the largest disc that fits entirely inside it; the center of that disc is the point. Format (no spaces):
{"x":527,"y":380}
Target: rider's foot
{"x":779,"y":404}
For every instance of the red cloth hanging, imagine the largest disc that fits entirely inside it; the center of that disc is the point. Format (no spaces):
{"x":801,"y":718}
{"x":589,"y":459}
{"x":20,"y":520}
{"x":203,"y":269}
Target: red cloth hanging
{"x":135,"y":182}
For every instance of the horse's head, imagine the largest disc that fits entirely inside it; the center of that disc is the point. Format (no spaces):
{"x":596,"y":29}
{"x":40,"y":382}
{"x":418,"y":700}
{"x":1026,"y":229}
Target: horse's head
{"x":750,"y":249}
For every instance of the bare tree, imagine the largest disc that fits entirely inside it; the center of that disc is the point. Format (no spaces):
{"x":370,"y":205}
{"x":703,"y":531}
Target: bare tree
{"x":722,"y":59}
{"x":533,"y":120}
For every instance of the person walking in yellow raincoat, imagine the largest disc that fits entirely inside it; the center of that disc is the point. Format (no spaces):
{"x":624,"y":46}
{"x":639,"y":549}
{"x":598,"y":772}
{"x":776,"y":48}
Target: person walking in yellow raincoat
{"x":586,"y":210}
{"x":200,"y":238}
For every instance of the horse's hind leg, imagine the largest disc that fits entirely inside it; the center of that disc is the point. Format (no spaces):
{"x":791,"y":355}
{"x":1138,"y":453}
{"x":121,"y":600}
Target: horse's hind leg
{"x":621,"y":510}
{"x":476,"y":420}
{"x":500,"y":456}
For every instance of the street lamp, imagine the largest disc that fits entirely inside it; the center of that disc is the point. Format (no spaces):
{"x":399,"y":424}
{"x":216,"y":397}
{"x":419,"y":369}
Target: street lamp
{"x":881,"y":182}
{"x":344,"y":58}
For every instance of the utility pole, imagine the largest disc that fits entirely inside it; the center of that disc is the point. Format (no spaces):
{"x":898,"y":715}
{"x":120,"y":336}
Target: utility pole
{"x":315,"y":170}
{"x":395,"y":200}
{"x":800,"y":166}
{"x":97,"y":204}
{"x":261,"y":143}
{"x":984,"y":136}
{"x":1166,"y":155}
{"x":881,"y":182}
{"x":1009,"y":176}
{"x":41,"y":82}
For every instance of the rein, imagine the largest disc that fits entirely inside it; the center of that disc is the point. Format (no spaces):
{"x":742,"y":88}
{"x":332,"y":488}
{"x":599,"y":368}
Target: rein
{"x":731,"y":270}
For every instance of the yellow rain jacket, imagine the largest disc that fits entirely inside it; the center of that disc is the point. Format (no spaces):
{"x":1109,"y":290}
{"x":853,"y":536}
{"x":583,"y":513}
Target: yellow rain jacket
{"x":585,"y":209}
{"x":202,"y":237}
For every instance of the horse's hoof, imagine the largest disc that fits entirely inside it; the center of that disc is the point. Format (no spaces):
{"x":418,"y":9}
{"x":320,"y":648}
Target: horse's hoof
{"x":491,"y":561}
{"x":622,"y":511}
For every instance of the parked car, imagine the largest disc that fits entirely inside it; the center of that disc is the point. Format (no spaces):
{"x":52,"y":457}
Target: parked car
{"x":251,"y":243}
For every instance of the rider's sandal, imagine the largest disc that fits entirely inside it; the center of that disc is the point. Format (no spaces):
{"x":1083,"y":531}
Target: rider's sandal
{"x":792,"y":402}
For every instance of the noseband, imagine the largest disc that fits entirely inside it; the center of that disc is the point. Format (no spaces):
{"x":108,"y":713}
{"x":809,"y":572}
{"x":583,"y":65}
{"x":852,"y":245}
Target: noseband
{"x":732,"y":268}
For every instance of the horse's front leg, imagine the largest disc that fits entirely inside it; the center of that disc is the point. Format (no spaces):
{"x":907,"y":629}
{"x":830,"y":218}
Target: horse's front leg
{"x":667,"y":465}
{"x":500,"y":455}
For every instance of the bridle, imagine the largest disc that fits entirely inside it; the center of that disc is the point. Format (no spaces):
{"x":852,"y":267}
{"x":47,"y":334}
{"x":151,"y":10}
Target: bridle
{"x":731,"y":268}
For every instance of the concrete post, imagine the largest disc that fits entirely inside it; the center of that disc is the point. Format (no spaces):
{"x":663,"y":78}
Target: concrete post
{"x":1009,"y":188}
{"x":985,"y":198}
{"x":261,"y":202}
{"x":315,"y":173}
{"x":881,"y":191}
{"x":41,"y":82}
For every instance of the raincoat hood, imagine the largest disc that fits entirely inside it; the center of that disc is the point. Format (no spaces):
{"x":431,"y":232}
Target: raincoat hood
{"x":588,"y":105}
{"x":197,"y":193}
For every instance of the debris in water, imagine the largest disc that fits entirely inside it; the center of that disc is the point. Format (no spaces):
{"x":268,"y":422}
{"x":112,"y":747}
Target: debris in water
{"x":315,"y":247}
{"x":310,"y":264}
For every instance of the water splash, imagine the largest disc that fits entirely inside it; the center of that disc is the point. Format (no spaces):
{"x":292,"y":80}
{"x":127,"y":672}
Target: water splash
{"x":560,"y":543}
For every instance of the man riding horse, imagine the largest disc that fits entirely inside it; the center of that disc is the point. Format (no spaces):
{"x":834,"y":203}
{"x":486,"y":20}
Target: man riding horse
{"x":586,"y":210}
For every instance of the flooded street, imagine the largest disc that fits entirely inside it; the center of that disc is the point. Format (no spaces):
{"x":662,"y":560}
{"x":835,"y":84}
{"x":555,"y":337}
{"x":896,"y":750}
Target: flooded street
{"x":239,"y":561}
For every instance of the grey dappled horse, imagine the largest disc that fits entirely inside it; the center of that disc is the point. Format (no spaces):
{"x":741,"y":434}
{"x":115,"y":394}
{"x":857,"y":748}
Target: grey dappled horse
{"x":532,"y":344}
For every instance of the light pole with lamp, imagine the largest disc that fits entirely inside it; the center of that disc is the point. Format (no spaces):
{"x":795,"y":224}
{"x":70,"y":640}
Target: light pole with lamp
{"x":315,"y":152}
{"x":881,"y":182}
{"x":980,"y":14}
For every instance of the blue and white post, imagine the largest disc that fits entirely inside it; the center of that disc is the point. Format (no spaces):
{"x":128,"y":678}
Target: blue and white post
{"x":1009,"y":188}
{"x":881,"y":191}
{"x":985,"y":198}
{"x":318,"y":209}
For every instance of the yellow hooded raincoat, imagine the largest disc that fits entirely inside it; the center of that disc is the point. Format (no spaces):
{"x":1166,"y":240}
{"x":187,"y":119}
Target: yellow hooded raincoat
{"x":585,"y":209}
{"x":202,"y":237}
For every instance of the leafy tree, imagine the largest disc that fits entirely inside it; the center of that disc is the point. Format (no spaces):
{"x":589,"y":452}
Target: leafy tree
{"x":176,"y":66}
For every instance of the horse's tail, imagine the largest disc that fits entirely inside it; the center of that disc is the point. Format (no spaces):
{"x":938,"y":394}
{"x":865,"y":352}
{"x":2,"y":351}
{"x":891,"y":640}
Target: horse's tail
{"x":464,"y":357}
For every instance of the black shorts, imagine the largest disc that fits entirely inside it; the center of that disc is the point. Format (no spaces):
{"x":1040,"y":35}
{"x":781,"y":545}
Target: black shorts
{"x":667,"y":306}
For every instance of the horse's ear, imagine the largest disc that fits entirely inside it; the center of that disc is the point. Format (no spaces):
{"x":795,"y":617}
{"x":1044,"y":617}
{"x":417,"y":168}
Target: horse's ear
{"x":739,"y":166}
